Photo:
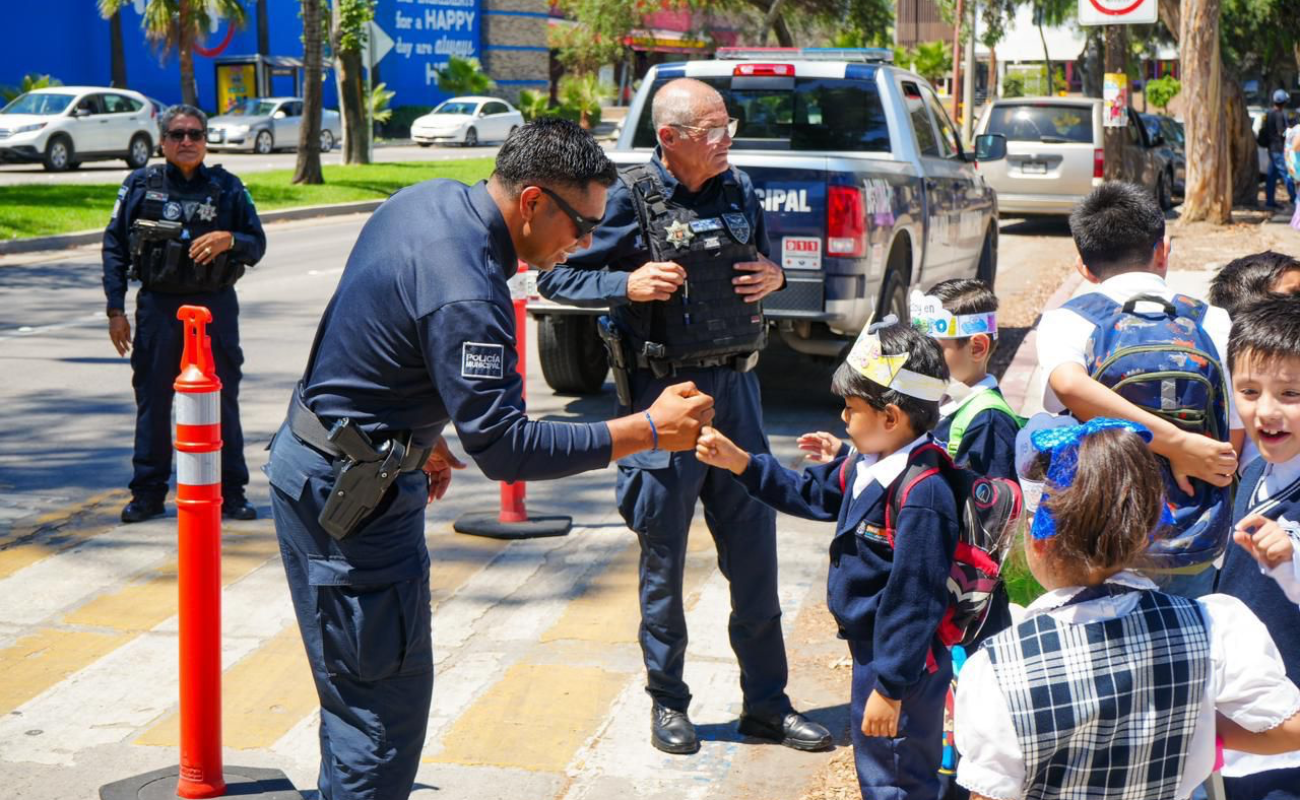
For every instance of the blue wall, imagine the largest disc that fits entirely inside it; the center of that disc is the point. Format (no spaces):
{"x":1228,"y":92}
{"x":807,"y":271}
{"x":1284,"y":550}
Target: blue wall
{"x":426,"y":33}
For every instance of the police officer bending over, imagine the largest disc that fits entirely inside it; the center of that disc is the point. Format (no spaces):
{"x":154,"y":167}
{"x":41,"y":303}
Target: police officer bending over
{"x":420,"y":333}
{"x":681,"y":260}
{"x":186,"y":232}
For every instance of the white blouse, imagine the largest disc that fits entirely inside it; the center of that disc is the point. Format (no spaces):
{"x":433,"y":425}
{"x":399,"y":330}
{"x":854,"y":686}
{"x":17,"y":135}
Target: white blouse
{"x":1247,"y":684}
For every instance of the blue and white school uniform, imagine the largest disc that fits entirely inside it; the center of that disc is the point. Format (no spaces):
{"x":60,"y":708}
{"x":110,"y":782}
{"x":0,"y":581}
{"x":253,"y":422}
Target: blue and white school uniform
{"x":1116,"y":695}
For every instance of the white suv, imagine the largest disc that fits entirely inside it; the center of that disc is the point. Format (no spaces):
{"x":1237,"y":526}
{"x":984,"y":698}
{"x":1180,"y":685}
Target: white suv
{"x":62,"y":126}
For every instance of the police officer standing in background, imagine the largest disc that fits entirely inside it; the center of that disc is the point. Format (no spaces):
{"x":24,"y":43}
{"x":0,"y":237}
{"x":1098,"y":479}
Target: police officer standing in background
{"x":186,"y":231}
{"x":681,"y":261}
{"x":420,"y":333}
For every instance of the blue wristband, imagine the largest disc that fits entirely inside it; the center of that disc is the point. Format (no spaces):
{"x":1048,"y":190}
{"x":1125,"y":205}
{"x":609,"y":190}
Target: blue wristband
{"x":653,"y":432}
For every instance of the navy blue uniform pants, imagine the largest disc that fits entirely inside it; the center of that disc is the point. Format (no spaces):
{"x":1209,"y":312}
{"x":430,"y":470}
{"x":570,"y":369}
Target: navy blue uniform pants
{"x":156,"y":361}
{"x":657,"y":493}
{"x":905,"y":767}
{"x":363,"y":608}
{"x":1277,"y":784}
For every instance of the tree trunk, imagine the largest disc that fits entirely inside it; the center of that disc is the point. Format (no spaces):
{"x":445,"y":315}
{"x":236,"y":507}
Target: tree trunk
{"x":958,"y":19}
{"x":308,"y":168}
{"x":185,"y":46}
{"x":357,"y":150}
{"x":1116,"y":49}
{"x":769,"y":21}
{"x":264,"y":31}
{"x":117,"y":53}
{"x":1209,"y":171}
{"x":784,"y":38}
{"x":1242,"y":154}
{"x":1047,"y":59}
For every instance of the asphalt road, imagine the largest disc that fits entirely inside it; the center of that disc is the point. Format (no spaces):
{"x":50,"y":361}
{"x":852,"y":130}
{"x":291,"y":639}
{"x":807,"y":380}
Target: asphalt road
{"x":237,"y":162}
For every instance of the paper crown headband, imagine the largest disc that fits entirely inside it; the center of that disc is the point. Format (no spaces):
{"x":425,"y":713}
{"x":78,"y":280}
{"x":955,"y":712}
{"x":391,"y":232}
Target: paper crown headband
{"x":886,"y":369}
{"x":935,"y":321}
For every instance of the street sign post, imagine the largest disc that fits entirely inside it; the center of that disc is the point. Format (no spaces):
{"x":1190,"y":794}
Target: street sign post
{"x":1118,"y":12}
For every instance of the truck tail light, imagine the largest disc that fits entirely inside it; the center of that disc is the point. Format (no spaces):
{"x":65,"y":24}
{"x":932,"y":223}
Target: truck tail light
{"x":846,"y":222}
{"x":763,"y":70}
{"x":1098,"y":163}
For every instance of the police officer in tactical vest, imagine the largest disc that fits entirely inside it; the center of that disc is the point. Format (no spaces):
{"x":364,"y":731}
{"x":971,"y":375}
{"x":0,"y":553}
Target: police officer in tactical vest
{"x":186,"y":232}
{"x":681,"y":261}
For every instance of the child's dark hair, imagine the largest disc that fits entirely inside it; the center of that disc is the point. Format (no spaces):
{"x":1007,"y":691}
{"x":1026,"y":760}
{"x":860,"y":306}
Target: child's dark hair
{"x":924,"y":357}
{"x":1248,"y":280}
{"x":1266,"y":333}
{"x":967,"y":296}
{"x":1093,"y":531}
{"x":1116,"y":228}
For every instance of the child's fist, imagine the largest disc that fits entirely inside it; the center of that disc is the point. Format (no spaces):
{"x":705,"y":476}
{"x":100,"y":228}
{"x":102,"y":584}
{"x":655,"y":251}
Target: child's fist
{"x":820,"y":446}
{"x":717,"y":450}
{"x":880,"y":717}
{"x":1265,"y":540}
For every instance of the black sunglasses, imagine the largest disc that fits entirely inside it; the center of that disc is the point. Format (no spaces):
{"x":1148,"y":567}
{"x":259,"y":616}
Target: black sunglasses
{"x":179,"y":134}
{"x":585,"y":225}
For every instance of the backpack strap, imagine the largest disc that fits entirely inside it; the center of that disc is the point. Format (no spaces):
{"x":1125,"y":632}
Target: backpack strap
{"x":1191,"y":308}
{"x":926,"y":460}
{"x":1094,"y":307}
{"x":988,"y":400}
{"x":849,"y":461}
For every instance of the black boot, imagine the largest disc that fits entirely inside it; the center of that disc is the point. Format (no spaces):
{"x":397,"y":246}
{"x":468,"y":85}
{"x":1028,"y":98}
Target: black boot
{"x":793,"y":730}
{"x":139,"y":510}
{"x":672,"y":732}
{"x":238,"y":508}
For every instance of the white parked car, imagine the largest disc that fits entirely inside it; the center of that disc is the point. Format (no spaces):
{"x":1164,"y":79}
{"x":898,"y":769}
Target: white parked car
{"x":63,"y":126}
{"x":266,"y":124}
{"x":467,"y":121}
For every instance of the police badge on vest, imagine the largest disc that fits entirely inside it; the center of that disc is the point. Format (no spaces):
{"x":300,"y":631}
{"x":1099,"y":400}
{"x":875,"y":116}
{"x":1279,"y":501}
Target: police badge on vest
{"x":171,"y":218}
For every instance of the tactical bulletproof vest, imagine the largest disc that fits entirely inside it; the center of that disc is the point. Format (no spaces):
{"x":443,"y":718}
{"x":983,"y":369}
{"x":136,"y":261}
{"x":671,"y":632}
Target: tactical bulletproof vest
{"x":705,"y":318}
{"x":165,"y":265}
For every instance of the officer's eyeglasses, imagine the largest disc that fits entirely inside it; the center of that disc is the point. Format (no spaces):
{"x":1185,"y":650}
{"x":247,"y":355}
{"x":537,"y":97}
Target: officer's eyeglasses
{"x":180,"y":134}
{"x":585,"y":225}
{"x":714,"y":135}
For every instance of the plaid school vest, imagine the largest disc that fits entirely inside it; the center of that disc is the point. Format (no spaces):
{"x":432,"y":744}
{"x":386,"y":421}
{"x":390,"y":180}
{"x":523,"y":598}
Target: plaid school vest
{"x":1107,"y":708}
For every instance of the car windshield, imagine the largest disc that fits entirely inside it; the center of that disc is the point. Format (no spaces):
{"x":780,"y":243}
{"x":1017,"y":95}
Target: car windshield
{"x":810,"y":114}
{"x":42,"y":103}
{"x":1044,"y":122}
{"x":451,"y":107}
{"x":252,"y":108}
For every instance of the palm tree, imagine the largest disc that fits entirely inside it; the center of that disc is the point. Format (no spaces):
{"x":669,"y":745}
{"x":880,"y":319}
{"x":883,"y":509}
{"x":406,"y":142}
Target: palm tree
{"x":117,"y":54}
{"x":464,"y":76}
{"x":177,"y":24}
{"x":308,"y":168}
{"x":584,"y":94}
{"x":932,"y":60}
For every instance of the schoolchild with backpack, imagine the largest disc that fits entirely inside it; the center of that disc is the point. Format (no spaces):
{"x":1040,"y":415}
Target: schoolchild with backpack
{"x":1134,"y":349}
{"x":907,"y":525}
{"x":1110,"y":688}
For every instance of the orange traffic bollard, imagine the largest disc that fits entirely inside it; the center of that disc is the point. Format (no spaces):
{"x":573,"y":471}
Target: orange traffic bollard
{"x":512,"y":521}
{"x":198,"y":506}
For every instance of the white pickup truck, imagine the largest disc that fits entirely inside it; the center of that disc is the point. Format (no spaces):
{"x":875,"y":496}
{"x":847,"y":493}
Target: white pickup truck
{"x":867,"y":188}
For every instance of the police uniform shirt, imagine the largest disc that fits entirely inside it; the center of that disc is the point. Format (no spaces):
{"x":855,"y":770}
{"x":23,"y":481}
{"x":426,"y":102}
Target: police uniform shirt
{"x":421,"y":331}
{"x":598,"y":275}
{"x":235,"y":213}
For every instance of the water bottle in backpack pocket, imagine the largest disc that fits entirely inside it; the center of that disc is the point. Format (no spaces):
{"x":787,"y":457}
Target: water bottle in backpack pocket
{"x":1156,"y":354}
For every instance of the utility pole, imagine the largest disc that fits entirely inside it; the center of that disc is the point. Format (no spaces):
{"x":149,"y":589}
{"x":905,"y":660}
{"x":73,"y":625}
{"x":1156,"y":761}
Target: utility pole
{"x":956,"y":60}
{"x":968,"y":85}
{"x":1116,"y":47}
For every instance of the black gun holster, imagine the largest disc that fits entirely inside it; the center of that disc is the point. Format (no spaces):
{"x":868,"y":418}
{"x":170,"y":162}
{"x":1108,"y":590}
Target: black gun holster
{"x":363,"y":472}
{"x":620,"y":360}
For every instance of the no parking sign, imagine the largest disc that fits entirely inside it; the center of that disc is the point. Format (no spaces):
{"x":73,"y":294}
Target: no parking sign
{"x":1118,"y":12}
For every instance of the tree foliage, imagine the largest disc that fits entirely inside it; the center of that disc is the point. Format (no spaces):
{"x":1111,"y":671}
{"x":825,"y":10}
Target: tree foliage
{"x":932,"y":60}
{"x":352,"y":30}
{"x":1161,"y":91}
{"x":584,"y":94}
{"x":533,"y":104}
{"x":29,"y":82}
{"x":464,"y":76}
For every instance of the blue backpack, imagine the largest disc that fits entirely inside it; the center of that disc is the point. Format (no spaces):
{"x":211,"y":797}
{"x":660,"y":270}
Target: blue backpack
{"x":1164,"y":362}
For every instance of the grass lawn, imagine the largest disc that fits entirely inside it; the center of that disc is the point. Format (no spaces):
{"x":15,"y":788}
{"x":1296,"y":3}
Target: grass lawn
{"x":46,"y":210}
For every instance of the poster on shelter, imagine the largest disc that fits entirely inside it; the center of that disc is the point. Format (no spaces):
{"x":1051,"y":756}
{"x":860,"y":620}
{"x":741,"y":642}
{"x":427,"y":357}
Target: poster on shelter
{"x":1115,"y":94}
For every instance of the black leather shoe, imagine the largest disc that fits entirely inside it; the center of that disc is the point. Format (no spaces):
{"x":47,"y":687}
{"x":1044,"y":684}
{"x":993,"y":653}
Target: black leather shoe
{"x":672,"y":732}
{"x":140,"y":510}
{"x":238,"y":508}
{"x":793,"y":730}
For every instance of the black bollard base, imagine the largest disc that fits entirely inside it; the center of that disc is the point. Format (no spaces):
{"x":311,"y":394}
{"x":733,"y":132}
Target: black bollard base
{"x":489,"y":525}
{"x":266,"y":784}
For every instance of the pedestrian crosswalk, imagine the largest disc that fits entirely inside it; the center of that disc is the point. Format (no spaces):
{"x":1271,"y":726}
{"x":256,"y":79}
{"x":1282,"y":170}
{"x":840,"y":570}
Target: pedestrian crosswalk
{"x":538,"y":668}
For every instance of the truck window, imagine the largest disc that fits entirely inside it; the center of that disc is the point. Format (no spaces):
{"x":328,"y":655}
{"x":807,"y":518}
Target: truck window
{"x":949,"y":144}
{"x":817,"y":114}
{"x":925,"y":137}
{"x":1045,"y":122}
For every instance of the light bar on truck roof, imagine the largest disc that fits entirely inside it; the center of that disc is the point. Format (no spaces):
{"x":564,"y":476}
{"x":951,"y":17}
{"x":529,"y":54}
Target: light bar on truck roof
{"x":861,"y":55}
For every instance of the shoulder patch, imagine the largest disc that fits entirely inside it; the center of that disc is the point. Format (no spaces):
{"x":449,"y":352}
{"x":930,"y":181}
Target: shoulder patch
{"x":478,"y":360}
{"x":121,"y":192}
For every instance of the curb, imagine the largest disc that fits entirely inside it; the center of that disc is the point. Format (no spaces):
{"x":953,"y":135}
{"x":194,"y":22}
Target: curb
{"x":81,"y":238}
{"x":1019,"y":374}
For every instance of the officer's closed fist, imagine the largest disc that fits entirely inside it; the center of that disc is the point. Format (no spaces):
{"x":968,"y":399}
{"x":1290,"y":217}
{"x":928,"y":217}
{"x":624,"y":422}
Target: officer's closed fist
{"x":656,"y":280}
{"x":679,"y":415}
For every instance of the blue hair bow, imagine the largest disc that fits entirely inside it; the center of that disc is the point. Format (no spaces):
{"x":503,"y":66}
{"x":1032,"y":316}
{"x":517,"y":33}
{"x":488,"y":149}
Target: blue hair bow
{"x":1062,"y":445}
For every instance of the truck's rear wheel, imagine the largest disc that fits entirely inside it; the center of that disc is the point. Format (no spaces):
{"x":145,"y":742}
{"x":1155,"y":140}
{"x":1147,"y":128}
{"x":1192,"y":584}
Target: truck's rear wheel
{"x":572,"y":355}
{"x":893,"y":293}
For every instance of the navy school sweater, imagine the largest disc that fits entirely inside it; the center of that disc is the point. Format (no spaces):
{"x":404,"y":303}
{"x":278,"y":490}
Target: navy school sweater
{"x":890,"y":598}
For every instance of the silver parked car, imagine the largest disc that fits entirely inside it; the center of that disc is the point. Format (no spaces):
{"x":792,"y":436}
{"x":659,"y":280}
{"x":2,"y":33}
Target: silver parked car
{"x":266,"y":124}
{"x":1056,"y":154}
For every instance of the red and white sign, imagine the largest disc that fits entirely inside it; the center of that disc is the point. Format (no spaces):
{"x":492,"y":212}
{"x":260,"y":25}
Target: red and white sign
{"x":1118,"y":12}
{"x":801,"y":252}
